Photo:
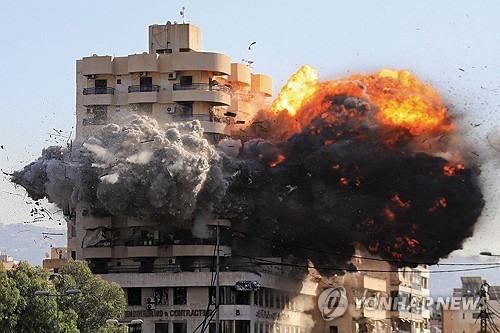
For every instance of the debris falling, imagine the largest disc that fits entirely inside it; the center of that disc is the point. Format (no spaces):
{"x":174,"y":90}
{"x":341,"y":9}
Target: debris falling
{"x":364,"y":160}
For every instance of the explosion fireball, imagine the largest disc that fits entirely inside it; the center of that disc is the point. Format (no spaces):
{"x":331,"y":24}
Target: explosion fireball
{"x":356,"y":161}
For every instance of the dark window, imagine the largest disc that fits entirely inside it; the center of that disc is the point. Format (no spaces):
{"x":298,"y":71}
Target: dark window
{"x":180,"y":327}
{"x":180,"y":296}
{"x":163,"y":51}
{"x":186,"y":80}
{"x":334,"y":329}
{"x":118,"y":81}
{"x":242,"y":326}
{"x":161,"y":327}
{"x":101,"y":83}
{"x":134,"y":296}
{"x":73,"y":255}
{"x":146,"y":81}
{"x":184,"y":49}
{"x":161,"y":295}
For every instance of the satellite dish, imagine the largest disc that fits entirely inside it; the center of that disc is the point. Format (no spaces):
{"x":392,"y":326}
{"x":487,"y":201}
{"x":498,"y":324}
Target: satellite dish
{"x":47,"y":255}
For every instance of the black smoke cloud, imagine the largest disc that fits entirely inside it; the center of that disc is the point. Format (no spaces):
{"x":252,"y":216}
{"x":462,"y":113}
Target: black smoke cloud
{"x":314,"y":196}
{"x":342,"y":184}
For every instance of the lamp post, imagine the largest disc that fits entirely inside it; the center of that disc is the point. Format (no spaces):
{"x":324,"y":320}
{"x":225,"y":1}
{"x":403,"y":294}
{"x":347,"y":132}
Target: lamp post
{"x":68,"y":292}
{"x":117,"y":322}
{"x":489,"y":254}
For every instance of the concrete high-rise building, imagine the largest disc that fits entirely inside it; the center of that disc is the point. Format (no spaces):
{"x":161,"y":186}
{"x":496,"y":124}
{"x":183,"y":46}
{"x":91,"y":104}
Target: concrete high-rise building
{"x":168,"y":274}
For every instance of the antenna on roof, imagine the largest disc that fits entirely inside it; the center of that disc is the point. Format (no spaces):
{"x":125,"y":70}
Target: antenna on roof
{"x":183,"y":15}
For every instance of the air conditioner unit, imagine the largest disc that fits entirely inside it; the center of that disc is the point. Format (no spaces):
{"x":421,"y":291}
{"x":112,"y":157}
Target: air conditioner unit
{"x":90,"y":76}
{"x":142,"y":73}
{"x":171,"y":109}
{"x":171,"y":261}
{"x":150,"y":300}
{"x":150,"y":306}
{"x":172,"y":76}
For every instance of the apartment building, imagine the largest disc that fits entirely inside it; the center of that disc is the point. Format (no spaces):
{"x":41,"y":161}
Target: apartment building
{"x":168,"y":274}
{"x":458,"y":318}
{"x":381,"y":299}
{"x":7,"y":261}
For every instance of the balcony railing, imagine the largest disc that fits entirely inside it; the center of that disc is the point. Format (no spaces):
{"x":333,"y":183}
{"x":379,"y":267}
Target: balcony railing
{"x":200,"y":86}
{"x":99,"y":91}
{"x":201,"y":117}
{"x":95,"y":121}
{"x":148,"y":88}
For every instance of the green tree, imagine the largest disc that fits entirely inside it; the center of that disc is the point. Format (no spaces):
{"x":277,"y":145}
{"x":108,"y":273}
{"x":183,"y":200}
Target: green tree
{"x":35,"y":314}
{"x":99,"y":300}
{"x":9,"y":298}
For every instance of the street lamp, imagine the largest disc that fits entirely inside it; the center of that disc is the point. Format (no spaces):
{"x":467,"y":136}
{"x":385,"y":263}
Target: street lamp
{"x":489,"y":254}
{"x":117,"y":322}
{"x":68,"y":292}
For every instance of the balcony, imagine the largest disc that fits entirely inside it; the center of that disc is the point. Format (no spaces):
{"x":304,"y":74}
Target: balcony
{"x":198,"y":250}
{"x":142,"y":251}
{"x":143,"y":94}
{"x":98,"y":96}
{"x":201,"y":92}
{"x":201,"y":61}
{"x":148,"y":88}
{"x":97,"y":252}
{"x":94,"y":121}
{"x":97,"y":65}
{"x":99,"y":91}
{"x":262,"y":84}
{"x":54,"y":263}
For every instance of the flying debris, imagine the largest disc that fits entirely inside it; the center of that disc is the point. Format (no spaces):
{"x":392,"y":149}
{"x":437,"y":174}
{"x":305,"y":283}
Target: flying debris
{"x":251,"y":44}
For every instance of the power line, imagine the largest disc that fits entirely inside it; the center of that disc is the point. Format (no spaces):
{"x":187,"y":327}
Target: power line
{"x":358,"y":256}
{"x":262,"y":261}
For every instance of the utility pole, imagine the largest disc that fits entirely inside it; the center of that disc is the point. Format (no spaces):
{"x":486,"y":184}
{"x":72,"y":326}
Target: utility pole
{"x":217,"y":283}
{"x":483,"y":306}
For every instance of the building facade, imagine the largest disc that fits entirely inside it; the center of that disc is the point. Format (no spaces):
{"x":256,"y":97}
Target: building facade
{"x":167,"y":274}
{"x":381,"y":299}
{"x":465,"y":318}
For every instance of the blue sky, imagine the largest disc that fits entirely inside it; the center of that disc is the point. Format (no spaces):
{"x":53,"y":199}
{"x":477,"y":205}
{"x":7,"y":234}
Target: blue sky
{"x":454,"y":45}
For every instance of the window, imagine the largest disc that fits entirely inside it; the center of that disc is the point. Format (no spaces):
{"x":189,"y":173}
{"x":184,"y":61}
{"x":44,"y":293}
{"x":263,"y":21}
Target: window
{"x":229,"y":295}
{"x":180,"y":296}
{"x":97,"y":116}
{"x":163,"y":51}
{"x":180,"y":327}
{"x":146,"y":81}
{"x":161,"y":327}
{"x":161,"y":295}
{"x":118,"y":81}
{"x":334,"y":329}
{"x":186,"y":80}
{"x":134,"y":296}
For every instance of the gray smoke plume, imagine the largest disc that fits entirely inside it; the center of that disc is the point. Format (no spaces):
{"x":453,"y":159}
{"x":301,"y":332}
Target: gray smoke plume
{"x":136,"y":169}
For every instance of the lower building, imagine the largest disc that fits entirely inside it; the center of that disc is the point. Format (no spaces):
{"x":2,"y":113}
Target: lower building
{"x":7,"y":261}
{"x":464,"y":316}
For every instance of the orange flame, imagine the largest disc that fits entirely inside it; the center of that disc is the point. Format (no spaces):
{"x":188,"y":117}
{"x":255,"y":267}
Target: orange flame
{"x":400,"y":202}
{"x":279,"y":159}
{"x":401,"y":100}
{"x":440,"y":202}
{"x":406,"y":102}
{"x":297,"y":90}
{"x":449,"y":171}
